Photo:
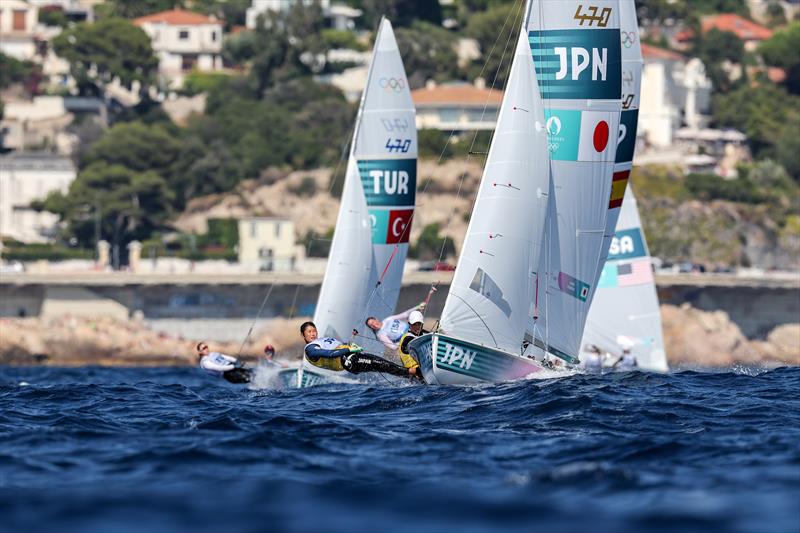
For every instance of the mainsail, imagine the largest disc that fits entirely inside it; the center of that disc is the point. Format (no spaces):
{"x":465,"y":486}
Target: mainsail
{"x":629,"y":119}
{"x":494,"y":282}
{"x":365,"y":265}
{"x":625,"y":310}
{"x":576,"y":51}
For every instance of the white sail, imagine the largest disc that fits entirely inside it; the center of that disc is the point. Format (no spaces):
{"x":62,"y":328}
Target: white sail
{"x":625,"y":311}
{"x":345,"y":285}
{"x":371,"y":237}
{"x":576,"y":50}
{"x":629,"y":119}
{"x":493,"y":286}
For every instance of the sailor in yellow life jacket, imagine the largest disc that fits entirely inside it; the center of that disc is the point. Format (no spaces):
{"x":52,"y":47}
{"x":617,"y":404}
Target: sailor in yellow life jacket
{"x":414,"y":330}
{"x":333,"y":354}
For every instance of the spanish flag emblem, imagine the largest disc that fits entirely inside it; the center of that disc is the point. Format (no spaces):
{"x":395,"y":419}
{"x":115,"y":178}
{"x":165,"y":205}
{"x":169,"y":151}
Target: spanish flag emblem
{"x":618,"y":184}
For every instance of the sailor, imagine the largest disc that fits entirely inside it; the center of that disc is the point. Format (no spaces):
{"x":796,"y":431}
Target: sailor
{"x":269,"y":357}
{"x":415,"y":321}
{"x":333,"y":354}
{"x":593,"y":359}
{"x":392,"y":328}
{"x":219,"y":364}
{"x":627,"y":361}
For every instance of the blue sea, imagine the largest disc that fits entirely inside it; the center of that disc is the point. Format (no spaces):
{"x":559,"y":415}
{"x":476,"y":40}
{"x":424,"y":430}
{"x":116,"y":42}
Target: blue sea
{"x":109,"y":450}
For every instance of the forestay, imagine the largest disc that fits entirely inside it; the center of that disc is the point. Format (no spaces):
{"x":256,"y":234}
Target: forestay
{"x":576,"y":50}
{"x":371,"y":237}
{"x":625,"y":311}
{"x":493,"y":285}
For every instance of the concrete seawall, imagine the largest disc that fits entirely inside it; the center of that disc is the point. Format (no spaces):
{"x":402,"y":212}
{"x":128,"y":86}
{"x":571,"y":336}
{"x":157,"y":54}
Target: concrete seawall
{"x":191,"y":304}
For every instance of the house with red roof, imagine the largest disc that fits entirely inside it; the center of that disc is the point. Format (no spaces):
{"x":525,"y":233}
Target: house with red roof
{"x":183,"y":41}
{"x":746,"y":30}
{"x":457,"y":106}
{"x":675,"y":92}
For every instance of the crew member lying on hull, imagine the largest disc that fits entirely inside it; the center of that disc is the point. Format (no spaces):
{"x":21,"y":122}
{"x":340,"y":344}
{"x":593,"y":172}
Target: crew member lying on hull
{"x":333,"y":354}
{"x":391,"y":329}
{"x":221,"y":365}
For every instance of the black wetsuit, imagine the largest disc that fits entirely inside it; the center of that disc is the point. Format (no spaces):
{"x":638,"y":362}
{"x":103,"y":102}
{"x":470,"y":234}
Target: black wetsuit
{"x":238,"y":375}
{"x":357,"y":363}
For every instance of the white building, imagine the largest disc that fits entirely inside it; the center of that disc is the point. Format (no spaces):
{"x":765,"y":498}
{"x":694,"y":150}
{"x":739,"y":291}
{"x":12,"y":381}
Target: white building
{"x":457,"y":106}
{"x":38,"y":122}
{"x":259,"y":7}
{"x":675,"y":92}
{"x":18,"y":20}
{"x":339,"y":17}
{"x":25,"y":177}
{"x":183,"y":41}
{"x":268,"y":244}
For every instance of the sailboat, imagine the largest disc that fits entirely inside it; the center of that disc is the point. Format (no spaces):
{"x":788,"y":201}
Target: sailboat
{"x":522,"y":286}
{"x":365,"y":266}
{"x":625,"y":311}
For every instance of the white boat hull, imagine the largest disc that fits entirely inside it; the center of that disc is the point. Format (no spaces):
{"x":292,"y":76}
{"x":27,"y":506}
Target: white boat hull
{"x":449,"y":361}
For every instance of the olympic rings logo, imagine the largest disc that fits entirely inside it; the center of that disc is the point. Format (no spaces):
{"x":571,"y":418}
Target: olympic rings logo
{"x":392,"y":84}
{"x":628,"y":38}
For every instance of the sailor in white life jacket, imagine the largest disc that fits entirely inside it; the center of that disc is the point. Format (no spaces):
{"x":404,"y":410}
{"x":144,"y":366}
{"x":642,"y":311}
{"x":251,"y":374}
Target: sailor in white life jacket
{"x":221,"y":365}
{"x":332,"y":354}
{"x":391,"y":329}
{"x":593,"y":359}
{"x":627,"y":361}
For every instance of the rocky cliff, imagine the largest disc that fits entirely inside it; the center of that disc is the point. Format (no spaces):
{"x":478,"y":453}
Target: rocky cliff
{"x":692,"y":337}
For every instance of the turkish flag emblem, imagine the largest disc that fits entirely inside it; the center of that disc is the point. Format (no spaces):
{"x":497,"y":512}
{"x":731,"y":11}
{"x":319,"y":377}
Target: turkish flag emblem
{"x":399,"y":226}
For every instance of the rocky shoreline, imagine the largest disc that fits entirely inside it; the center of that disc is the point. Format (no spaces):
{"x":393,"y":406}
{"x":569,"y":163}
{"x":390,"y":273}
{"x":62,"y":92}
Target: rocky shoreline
{"x":692,"y":337}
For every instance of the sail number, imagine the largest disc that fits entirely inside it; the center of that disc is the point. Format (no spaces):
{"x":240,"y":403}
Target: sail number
{"x":399,"y":146}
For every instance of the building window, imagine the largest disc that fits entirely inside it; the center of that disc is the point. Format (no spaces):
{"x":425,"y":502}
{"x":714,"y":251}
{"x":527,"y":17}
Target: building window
{"x":253,"y":230}
{"x":277,"y":230}
{"x":188,"y":61}
{"x":19,"y":19}
{"x":213,"y":36}
{"x":183,"y":35}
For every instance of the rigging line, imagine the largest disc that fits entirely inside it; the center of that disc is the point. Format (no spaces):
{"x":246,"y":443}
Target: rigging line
{"x":294,"y":301}
{"x":480,"y":75}
{"x":258,"y":315}
{"x":486,"y":103}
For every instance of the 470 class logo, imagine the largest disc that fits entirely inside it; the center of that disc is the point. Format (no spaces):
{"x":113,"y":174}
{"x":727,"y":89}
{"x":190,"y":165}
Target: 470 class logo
{"x":392,"y":84}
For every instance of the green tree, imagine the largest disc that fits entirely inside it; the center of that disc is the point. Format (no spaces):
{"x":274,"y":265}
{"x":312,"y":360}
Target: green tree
{"x":128,"y":204}
{"x":763,"y":112}
{"x":101,"y":51}
{"x":714,"y":48}
{"x":138,"y":8}
{"x":400,"y":12}
{"x":787,"y":149}
{"x":12,"y":70}
{"x":776,"y":16}
{"x":427,"y":52}
{"x":136,"y":146}
{"x":783,"y":50}
{"x":495,"y":30}
{"x":431,"y":244}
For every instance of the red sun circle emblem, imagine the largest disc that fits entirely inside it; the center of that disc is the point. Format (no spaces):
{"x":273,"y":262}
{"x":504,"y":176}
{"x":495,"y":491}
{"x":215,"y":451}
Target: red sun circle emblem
{"x":600,"y":136}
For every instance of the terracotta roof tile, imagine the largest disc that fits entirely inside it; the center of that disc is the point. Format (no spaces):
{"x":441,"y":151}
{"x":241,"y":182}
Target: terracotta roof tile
{"x":456,"y":94}
{"x":176,"y":17}
{"x":653,"y":52}
{"x":744,"y":29}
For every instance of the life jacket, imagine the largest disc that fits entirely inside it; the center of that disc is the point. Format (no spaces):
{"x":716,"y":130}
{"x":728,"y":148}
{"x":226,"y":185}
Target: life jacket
{"x":328,"y":363}
{"x":393,"y":328}
{"x":405,"y":355}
